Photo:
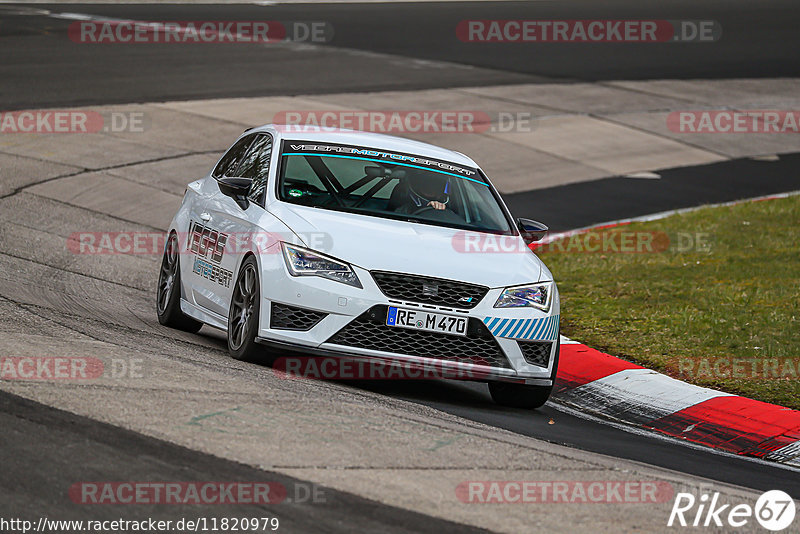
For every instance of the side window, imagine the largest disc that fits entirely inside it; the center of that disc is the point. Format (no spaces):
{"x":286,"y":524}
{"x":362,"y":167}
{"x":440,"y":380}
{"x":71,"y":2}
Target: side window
{"x":255,"y":165}
{"x":227,"y":165}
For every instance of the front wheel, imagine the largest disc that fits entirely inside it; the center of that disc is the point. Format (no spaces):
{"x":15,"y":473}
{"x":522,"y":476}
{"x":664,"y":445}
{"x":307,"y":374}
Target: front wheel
{"x":244,"y":313}
{"x":523,"y":395}
{"x":519,"y":395}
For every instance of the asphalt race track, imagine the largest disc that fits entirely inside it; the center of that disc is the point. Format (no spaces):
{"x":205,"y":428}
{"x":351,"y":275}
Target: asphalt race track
{"x":28,"y":484}
{"x":611,"y":199}
{"x":757,"y":41}
{"x":77,"y":300}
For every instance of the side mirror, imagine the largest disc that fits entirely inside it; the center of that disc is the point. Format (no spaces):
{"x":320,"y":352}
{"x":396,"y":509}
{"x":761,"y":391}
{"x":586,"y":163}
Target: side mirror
{"x":532,"y":231}
{"x":237,"y":189}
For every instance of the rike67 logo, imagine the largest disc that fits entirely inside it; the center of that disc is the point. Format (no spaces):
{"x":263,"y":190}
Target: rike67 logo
{"x":774,"y":511}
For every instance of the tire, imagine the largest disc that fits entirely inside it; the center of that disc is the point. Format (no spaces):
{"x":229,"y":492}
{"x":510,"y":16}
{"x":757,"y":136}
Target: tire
{"x":168,"y":293}
{"x":523,"y":395}
{"x":244,"y":313}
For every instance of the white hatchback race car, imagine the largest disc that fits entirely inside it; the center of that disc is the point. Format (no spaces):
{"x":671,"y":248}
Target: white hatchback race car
{"x":366,"y":246}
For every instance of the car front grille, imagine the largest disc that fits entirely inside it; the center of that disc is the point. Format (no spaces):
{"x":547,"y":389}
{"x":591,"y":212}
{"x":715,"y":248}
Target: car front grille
{"x":536,"y":352}
{"x":283,"y":317}
{"x":438,"y":291}
{"x":369,"y":331}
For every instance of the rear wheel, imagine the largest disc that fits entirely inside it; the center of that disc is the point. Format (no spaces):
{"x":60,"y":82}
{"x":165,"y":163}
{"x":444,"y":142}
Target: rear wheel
{"x":168,"y":295}
{"x":523,"y":395}
{"x":244,"y":313}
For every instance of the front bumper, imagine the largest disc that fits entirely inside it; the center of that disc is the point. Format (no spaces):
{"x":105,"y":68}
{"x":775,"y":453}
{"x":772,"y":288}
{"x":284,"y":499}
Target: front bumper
{"x":513,"y":344}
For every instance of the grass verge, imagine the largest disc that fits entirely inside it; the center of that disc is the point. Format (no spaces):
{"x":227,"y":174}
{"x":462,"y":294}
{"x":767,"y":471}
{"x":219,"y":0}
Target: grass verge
{"x":710,"y":296}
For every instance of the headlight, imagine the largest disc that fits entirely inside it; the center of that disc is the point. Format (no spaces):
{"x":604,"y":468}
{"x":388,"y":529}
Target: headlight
{"x":304,"y":262}
{"x":534,"y":296}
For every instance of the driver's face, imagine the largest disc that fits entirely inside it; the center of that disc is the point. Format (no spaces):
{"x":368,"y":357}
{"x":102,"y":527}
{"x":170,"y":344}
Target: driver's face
{"x":428,"y":185}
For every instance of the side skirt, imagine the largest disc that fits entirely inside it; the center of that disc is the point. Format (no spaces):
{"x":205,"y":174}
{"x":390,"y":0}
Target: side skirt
{"x":208,"y":317}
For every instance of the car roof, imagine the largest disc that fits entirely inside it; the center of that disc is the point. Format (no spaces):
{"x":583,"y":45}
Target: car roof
{"x":366,"y":139}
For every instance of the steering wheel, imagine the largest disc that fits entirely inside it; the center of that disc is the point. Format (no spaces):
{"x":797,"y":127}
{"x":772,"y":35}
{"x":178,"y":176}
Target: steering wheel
{"x":424,"y":209}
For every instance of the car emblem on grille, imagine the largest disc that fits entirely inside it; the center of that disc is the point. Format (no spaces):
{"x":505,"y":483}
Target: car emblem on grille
{"x":430,"y":290}
{"x":465,"y":300}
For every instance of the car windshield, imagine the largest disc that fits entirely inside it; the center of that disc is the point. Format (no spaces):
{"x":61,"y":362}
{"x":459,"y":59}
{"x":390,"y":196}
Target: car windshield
{"x":389,"y":185}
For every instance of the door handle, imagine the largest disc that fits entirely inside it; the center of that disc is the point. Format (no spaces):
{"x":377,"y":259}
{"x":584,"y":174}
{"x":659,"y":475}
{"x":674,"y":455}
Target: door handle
{"x":205,"y":216}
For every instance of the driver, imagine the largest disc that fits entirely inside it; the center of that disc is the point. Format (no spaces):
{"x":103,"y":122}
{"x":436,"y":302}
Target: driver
{"x":425,"y":189}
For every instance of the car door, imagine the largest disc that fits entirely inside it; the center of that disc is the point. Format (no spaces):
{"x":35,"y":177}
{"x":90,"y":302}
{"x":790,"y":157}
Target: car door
{"x":235,"y":226}
{"x":206,"y":243}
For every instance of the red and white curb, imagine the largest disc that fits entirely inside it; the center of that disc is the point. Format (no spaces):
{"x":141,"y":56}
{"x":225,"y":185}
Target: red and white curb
{"x":598,"y":383}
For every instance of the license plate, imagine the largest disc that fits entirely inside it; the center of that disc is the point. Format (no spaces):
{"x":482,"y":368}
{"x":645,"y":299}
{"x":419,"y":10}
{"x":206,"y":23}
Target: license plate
{"x":428,"y":321}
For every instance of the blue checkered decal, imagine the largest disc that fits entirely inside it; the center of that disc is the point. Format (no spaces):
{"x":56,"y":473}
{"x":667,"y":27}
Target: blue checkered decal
{"x":545,"y":328}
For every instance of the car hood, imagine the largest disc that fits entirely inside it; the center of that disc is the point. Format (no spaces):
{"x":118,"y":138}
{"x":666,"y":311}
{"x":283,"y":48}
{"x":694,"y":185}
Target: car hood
{"x":373,"y":243}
